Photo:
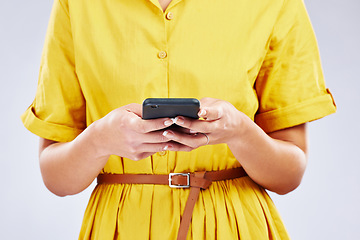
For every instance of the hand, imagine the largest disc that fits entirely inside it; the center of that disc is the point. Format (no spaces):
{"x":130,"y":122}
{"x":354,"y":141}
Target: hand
{"x":222,"y":123}
{"x":124,"y":133}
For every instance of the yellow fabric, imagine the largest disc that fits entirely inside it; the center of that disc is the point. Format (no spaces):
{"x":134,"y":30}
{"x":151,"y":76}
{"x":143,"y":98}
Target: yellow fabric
{"x":260,"y":55}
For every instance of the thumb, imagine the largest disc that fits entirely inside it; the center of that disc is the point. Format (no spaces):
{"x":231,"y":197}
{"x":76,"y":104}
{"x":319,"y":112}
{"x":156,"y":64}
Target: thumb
{"x":134,"y":108}
{"x":210,"y":113}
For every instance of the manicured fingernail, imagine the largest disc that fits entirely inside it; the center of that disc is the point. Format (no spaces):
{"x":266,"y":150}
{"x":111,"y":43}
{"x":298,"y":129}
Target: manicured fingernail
{"x":179,"y":120}
{"x":166,"y":147}
{"x":192,"y":131}
{"x":168,"y":122}
{"x":167,"y":133}
{"x":202,"y":112}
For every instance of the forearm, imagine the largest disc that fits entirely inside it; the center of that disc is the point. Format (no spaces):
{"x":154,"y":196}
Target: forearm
{"x":68,"y":168}
{"x":275,"y":164}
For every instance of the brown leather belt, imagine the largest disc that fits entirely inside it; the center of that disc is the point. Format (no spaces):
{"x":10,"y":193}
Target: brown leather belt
{"x":195,"y":181}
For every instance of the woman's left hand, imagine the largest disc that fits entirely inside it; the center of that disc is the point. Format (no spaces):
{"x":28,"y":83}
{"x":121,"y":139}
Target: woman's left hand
{"x":276,"y":161}
{"x":221,"y":123}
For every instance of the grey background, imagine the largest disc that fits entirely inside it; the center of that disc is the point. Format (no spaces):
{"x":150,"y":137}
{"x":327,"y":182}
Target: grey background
{"x":325,"y":206}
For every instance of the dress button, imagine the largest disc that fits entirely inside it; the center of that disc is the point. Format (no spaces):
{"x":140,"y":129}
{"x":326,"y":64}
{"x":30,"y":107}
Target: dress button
{"x":162,"y":54}
{"x":162,"y":153}
{"x":169,"y":16}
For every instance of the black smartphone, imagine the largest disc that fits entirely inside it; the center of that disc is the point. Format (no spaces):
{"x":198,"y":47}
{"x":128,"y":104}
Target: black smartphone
{"x":170,"y":107}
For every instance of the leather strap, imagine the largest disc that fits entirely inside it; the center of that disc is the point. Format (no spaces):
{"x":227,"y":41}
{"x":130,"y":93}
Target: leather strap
{"x":189,"y":208}
{"x":194,"y":181}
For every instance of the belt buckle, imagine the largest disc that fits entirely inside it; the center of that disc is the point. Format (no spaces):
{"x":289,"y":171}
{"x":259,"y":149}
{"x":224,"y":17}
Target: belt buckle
{"x":187,"y":175}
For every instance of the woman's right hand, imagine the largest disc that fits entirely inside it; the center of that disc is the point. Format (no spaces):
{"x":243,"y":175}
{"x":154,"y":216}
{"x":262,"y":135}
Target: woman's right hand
{"x":124,"y":133}
{"x":69,"y":167}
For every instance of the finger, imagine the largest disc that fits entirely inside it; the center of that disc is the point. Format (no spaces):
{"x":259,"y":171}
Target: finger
{"x":207,"y":138}
{"x":211,"y":108}
{"x":134,"y":108}
{"x":177,"y":128}
{"x":195,"y":125}
{"x":145,"y":126}
{"x":210,"y":113}
{"x":179,"y":148}
{"x":191,"y":140}
{"x":142,"y":156}
{"x":153,"y":137}
{"x":169,"y":146}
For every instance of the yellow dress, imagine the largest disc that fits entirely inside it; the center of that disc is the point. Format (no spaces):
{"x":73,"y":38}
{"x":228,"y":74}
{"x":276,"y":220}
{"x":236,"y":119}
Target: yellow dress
{"x":259,"y":55}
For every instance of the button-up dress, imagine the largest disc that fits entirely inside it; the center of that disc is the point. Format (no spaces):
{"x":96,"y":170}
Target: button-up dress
{"x":259,"y":55}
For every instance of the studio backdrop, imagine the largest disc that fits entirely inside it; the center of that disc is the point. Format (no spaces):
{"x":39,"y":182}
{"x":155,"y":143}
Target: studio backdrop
{"x":325,"y":206}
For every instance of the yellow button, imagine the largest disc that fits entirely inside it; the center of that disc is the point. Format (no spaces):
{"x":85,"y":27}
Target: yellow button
{"x":162,"y":153}
{"x":169,"y":16}
{"x":162,"y":54}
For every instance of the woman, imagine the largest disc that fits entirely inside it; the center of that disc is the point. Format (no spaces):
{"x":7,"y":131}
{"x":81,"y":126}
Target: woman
{"x":256,"y":69}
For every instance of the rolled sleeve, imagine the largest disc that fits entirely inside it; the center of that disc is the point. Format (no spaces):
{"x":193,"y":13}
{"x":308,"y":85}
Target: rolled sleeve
{"x":59,"y":110}
{"x":290,"y":85}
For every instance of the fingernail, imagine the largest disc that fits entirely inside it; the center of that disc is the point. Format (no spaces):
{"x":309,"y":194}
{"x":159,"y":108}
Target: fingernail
{"x":167,"y":133}
{"x":192,"y":131}
{"x":179,"y":120}
{"x":202,"y":112}
{"x":168,"y":122}
{"x":173,"y":120}
{"x":167,"y":147}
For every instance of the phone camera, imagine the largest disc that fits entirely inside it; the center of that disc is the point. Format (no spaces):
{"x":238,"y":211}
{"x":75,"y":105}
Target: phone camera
{"x":154,"y":106}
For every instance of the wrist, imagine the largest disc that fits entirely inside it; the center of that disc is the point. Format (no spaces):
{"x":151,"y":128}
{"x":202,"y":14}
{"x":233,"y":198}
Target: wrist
{"x":241,"y":129}
{"x":93,"y":141}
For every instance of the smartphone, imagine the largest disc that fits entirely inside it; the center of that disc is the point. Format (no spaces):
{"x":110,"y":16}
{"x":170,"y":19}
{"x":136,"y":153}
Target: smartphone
{"x":170,"y":107}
